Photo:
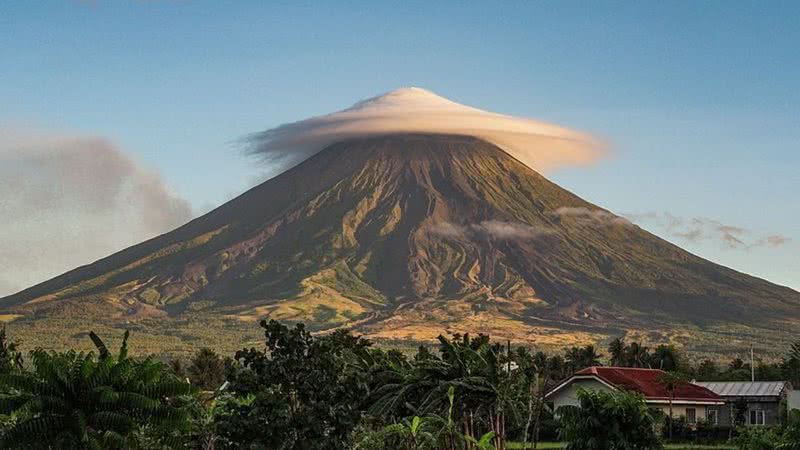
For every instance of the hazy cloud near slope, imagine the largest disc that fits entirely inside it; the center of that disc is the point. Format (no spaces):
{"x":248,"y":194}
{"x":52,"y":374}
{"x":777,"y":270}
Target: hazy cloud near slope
{"x":697,"y":229}
{"x":69,"y":200}
{"x":496,"y":229}
{"x":597,"y":217}
{"x":539,"y":145}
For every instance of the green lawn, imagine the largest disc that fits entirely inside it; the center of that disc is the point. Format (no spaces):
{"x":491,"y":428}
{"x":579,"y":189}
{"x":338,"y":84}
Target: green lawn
{"x":542,"y":445}
{"x":557,"y":445}
{"x":699,"y":447}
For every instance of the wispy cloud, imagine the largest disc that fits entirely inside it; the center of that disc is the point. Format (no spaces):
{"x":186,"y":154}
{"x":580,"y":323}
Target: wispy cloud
{"x":496,"y":229}
{"x":596,"y":217}
{"x":698,"y":229}
{"x":67,"y":200}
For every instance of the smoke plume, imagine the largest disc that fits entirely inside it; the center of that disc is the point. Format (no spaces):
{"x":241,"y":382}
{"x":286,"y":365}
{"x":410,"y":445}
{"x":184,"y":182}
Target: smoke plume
{"x":69,"y":200}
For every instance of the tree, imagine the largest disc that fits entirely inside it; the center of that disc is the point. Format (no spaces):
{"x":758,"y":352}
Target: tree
{"x":616,"y":352}
{"x":206,"y":370}
{"x":707,"y":370}
{"x":665,"y":357}
{"x":638,"y":355}
{"x":578,"y":358}
{"x":10,"y":358}
{"x":736,"y":364}
{"x":486,"y":393}
{"x":738,"y":415}
{"x":307,"y":391}
{"x":791,"y":364}
{"x":90,"y":401}
{"x":671,"y":381}
{"x":557,"y":367}
{"x":606,"y":420}
{"x":537,"y":380}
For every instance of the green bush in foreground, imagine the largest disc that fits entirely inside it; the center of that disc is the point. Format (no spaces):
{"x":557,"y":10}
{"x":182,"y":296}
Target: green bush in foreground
{"x":306,"y":391}
{"x":771,"y":438}
{"x":608,"y":421}
{"x":89,"y":401}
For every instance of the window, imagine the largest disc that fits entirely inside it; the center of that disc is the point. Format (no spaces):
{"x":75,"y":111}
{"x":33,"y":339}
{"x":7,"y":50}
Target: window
{"x":712,"y":417}
{"x":757,"y":417}
{"x":691,"y":416}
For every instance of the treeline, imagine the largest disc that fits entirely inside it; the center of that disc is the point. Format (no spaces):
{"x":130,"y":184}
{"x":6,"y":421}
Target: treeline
{"x":666,"y":357}
{"x":308,"y":392}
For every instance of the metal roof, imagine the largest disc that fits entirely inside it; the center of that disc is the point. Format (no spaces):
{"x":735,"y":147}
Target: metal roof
{"x":744,"y":388}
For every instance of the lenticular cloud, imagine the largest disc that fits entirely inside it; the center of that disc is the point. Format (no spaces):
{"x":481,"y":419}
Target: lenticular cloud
{"x":539,"y":145}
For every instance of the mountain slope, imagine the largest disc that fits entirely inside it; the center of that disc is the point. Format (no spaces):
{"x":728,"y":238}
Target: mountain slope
{"x":403,"y":237}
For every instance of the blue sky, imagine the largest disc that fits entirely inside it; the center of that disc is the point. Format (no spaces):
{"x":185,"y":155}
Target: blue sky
{"x":700,"y":100}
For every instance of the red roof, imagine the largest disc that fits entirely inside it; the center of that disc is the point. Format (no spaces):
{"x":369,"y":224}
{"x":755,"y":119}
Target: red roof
{"x":648,"y":383}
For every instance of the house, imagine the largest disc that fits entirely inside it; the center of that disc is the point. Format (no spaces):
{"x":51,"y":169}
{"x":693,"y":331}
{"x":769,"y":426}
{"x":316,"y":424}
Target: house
{"x":756,"y":403}
{"x":688,"y":400}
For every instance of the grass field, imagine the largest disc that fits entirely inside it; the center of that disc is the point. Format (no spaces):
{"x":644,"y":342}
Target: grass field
{"x":558,"y":445}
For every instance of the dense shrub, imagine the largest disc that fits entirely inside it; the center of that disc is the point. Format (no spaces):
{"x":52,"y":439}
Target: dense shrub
{"x":305,"y":392}
{"x":757,"y":438}
{"x":608,"y":421}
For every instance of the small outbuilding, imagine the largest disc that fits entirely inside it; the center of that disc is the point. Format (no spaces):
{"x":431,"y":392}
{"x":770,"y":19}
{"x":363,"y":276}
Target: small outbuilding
{"x":755,"y":403}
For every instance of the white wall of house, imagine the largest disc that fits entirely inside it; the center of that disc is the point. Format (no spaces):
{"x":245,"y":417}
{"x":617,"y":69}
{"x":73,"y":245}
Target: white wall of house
{"x":679,"y":410}
{"x":568,"y":396}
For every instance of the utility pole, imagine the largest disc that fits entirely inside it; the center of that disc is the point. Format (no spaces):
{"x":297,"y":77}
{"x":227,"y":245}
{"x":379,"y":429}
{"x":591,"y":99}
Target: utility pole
{"x":752,"y":366}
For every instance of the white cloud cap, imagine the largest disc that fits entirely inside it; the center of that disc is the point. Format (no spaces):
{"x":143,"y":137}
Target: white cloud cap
{"x":539,"y":145}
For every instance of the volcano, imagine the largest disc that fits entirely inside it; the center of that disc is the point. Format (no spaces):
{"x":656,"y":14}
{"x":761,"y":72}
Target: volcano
{"x":402,"y":237}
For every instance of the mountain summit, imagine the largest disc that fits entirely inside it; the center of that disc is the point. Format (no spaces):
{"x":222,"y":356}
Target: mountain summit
{"x":403,"y":237}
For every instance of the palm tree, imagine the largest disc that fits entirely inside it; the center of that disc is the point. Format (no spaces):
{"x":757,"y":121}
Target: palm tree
{"x":581,"y":357}
{"x":794,"y":351}
{"x":589,"y":356}
{"x":638,"y":355}
{"x":557,"y":367}
{"x":206,"y":369}
{"x":572,"y":357}
{"x":81,"y":400}
{"x":616,"y":351}
{"x":671,"y":381}
{"x":665,"y":357}
{"x":791,"y":364}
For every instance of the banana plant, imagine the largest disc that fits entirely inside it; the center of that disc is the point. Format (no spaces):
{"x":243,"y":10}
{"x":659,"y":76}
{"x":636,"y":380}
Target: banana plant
{"x":484,"y":442}
{"x":414,"y":433}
